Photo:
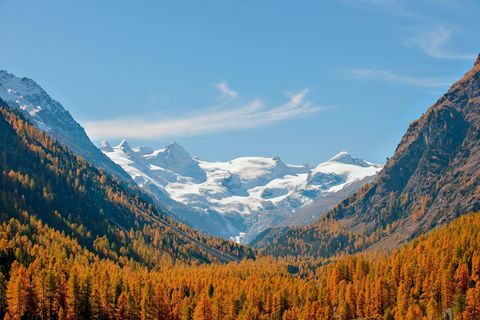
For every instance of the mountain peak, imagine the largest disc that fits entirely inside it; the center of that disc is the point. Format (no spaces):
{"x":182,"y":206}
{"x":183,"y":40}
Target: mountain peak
{"x":124,"y":145}
{"x":143,"y":150}
{"x":47,"y":114}
{"x":278,"y":162}
{"x":175,"y":147}
{"x":173,"y":157}
{"x":18,"y":87}
{"x":343,"y":157}
{"x":477,"y":62}
{"x":176,"y":151}
{"x":105,"y":146}
{"x":346,"y":158}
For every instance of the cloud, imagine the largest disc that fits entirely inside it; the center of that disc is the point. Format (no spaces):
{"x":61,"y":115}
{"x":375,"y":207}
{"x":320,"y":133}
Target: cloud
{"x":226,"y":92}
{"x":251,"y":114}
{"x":434,"y":42}
{"x":391,"y":7}
{"x":391,"y":77}
{"x":382,"y":4}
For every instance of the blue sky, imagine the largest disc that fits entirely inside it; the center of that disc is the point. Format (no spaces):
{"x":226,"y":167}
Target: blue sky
{"x":299,"y":79}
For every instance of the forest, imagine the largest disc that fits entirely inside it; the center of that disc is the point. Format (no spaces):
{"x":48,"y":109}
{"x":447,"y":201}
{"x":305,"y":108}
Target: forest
{"x":46,"y":274}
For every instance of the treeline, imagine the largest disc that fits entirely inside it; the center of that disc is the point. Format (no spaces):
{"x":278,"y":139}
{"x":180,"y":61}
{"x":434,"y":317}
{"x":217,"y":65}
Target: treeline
{"x":40,"y":176}
{"x":331,"y":235}
{"x":47,"y":275}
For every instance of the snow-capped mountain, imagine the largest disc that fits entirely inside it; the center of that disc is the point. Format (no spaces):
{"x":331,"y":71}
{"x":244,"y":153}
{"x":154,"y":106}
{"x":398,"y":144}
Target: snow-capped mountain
{"x":27,"y":96}
{"x":235,"y":199}
{"x":247,"y":194}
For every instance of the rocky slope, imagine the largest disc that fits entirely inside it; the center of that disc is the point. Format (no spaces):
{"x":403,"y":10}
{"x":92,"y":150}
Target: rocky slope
{"x":433,"y":177}
{"x":27,"y":96}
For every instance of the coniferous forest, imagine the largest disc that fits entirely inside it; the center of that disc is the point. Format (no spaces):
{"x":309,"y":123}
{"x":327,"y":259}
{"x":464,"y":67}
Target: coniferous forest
{"x":48,"y":275}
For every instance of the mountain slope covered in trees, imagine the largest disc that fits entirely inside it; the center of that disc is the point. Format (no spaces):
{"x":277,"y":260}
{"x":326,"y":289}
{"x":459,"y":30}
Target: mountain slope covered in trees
{"x":48,"y":275}
{"x":433,"y":177}
{"x":41,"y":178}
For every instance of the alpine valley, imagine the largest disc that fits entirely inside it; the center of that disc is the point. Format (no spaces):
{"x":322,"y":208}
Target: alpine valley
{"x":83,"y":241}
{"x":235,"y":200}
{"x":113,"y":230}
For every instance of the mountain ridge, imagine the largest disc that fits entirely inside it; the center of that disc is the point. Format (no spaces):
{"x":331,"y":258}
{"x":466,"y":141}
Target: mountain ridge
{"x":432,"y":178}
{"x":25,"y":95}
{"x":248,"y":193}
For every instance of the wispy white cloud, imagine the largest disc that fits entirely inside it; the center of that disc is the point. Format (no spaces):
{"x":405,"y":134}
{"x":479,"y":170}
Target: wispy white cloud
{"x":254,"y":113}
{"x":391,"y":77}
{"x":436,"y":35}
{"x":225,"y":91}
{"x":371,"y":3}
{"x":434,"y":42}
{"x":391,"y":7}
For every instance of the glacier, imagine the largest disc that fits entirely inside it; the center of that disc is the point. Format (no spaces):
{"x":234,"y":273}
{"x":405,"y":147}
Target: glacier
{"x":248,"y":194}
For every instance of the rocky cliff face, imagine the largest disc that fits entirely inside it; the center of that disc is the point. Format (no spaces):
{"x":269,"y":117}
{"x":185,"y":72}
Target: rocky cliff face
{"x":434,"y":173}
{"x":433,"y":177}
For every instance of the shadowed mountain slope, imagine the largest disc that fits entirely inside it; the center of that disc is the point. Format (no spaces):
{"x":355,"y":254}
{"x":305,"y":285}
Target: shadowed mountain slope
{"x":433,"y":177}
{"x":40,"y":177}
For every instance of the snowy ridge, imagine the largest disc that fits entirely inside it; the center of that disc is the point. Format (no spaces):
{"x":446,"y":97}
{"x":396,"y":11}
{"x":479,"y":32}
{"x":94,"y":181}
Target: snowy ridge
{"x":252,"y":193}
{"x":26,"y":96}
